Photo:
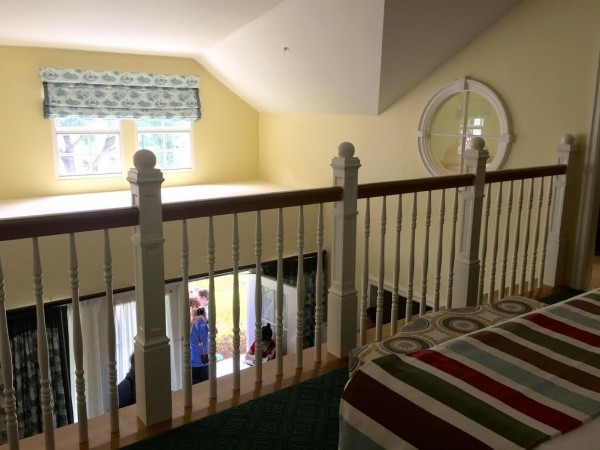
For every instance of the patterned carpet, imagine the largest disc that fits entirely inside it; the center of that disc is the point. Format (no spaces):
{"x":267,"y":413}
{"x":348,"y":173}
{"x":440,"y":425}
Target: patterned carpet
{"x":304,"y":416}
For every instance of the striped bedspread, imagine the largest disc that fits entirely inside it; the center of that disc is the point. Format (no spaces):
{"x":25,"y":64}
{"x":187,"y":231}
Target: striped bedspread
{"x":513,"y":385}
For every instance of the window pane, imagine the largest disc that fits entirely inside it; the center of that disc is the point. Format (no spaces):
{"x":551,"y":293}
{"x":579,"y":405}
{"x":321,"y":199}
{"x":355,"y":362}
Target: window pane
{"x":169,"y":139}
{"x":449,"y":117}
{"x":482,"y":117}
{"x":88,"y":154}
{"x":163,"y":123}
{"x":87,"y":123}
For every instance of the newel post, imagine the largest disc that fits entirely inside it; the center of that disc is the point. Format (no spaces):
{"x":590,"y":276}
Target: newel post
{"x":556,"y":243}
{"x":152,"y":354}
{"x":342,"y":298}
{"x":467,"y":264}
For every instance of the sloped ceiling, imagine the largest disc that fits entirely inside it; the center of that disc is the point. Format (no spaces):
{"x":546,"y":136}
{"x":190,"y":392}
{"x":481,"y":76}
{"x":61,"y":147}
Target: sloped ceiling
{"x":288,"y":56}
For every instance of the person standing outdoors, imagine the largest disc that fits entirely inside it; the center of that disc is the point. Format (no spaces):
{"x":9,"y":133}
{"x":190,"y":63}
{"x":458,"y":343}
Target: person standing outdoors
{"x":198,"y":341}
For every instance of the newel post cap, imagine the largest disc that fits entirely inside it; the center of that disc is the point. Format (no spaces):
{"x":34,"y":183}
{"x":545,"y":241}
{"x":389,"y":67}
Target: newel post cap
{"x":144,"y":159}
{"x":346,"y":150}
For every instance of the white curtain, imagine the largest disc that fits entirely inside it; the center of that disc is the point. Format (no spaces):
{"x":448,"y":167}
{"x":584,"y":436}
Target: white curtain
{"x":173,"y":302}
{"x":93,"y":315}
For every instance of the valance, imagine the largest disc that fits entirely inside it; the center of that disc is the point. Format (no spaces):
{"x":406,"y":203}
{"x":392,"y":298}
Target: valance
{"x":119,"y":95}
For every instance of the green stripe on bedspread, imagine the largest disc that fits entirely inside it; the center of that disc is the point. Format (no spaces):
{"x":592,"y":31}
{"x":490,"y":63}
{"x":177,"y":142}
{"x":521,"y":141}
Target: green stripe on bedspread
{"x":468,"y":405}
{"x":517,"y":384}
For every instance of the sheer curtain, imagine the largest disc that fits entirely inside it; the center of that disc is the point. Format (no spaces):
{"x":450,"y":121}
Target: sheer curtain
{"x":173,"y":302}
{"x":93,"y":315}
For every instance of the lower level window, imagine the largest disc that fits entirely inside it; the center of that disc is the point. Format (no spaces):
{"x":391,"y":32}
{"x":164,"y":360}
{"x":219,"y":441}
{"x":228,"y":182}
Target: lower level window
{"x":87,"y":146}
{"x":169,"y":139}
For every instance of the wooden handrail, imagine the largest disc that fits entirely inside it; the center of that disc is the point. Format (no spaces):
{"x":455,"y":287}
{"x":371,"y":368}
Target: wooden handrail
{"x":247,"y":203}
{"x":528,"y":172}
{"x":370,"y":190}
{"x":64,"y":223}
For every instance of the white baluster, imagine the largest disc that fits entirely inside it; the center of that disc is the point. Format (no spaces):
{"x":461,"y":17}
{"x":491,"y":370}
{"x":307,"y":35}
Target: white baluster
{"x":319,"y":286}
{"x":492,"y":289}
{"x":423,"y":303}
{"x":536,"y":236}
{"x":77,"y":342}
{"x":506,"y":240}
{"x":526,"y":242}
{"x":258,"y":300}
{"x":396,"y":279}
{"x":513,"y":275}
{"x":186,"y":369}
{"x":10,"y":405}
{"x":300,"y":290}
{"x":235,"y":253}
{"x":111,"y":339}
{"x":484,"y":241}
{"x":279,"y":297}
{"x":546,"y":231}
{"x":438,"y":266}
{"x":212,"y":307}
{"x":381,"y":273}
{"x":411,"y":260}
{"x":451,"y":258}
{"x":365,"y":274}
{"x":42,"y":349}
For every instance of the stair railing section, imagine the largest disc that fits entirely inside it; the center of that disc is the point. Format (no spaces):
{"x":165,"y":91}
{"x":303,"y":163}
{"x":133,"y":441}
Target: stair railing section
{"x":419,"y":193}
{"x":226,"y":209}
{"x":420,"y":201}
{"x":33,"y":228}
{"x":525,"y":235}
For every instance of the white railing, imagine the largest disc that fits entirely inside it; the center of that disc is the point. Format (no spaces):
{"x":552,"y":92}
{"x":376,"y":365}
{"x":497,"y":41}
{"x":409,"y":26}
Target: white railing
{"x":457,"y":199}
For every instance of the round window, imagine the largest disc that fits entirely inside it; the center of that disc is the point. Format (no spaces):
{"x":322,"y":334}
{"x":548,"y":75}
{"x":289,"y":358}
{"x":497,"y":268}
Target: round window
{"x":458,"y":112}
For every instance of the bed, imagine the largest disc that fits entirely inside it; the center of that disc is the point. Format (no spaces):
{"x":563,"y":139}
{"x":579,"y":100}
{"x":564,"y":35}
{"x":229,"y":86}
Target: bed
{"x":532,"y":381}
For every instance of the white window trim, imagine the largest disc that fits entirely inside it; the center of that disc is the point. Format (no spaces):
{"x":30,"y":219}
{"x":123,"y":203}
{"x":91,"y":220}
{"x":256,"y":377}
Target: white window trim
{"x":463,"y":84}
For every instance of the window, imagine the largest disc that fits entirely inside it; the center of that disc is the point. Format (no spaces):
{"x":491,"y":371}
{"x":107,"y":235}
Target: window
{"x":87,"y":146}
{"x":459,"y":111}
{"x":86,"y":106}
{"x":169,"y":139}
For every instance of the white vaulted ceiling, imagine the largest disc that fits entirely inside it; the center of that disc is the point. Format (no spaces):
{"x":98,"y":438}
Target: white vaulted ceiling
{"x":293,"y":56}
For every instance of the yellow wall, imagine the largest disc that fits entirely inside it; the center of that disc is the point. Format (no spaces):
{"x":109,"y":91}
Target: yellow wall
{"x":225,"y":139}
{"x":540,"y":58}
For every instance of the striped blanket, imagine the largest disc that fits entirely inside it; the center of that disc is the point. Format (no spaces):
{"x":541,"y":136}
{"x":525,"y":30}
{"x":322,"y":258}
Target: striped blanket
{"x":513,"y":385}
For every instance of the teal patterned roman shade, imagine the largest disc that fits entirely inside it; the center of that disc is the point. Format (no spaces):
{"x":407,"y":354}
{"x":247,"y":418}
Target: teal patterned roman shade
{"x":119,"y":95}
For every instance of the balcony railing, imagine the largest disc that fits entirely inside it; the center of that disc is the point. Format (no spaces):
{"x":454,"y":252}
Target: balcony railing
{"x":446,"y":250}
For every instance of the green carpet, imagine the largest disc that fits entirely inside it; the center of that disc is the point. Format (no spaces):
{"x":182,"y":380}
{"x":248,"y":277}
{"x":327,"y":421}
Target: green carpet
{"x":304,"y":416}
{"x":567,"y":293}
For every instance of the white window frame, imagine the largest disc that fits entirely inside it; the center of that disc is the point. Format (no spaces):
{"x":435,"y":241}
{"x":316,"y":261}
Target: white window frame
{"x":424,"y":131}
{"x":166,"y":130}
{"x":56,"y":133}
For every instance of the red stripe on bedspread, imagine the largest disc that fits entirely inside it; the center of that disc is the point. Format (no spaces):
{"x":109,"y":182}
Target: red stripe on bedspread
{"x":539,"y":360}
{"x":511,"y":397}
{"x":404,"y":418}
{"x":564,"y":328}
